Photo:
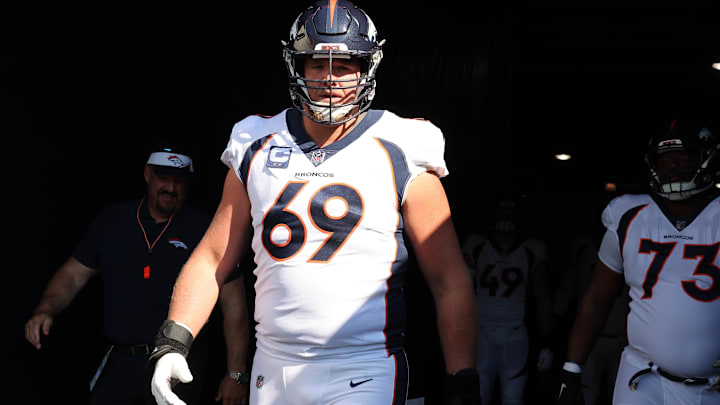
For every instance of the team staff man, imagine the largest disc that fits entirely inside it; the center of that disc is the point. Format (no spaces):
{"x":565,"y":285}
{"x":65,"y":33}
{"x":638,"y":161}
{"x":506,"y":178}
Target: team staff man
{"x":664,"y":246}
{"x":138,"y":247}
{"x":328,"y":189}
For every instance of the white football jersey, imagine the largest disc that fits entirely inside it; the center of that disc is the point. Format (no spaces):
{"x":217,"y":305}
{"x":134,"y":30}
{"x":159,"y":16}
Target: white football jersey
{"x":501,"y":280}
{"x":674,"y":281}
{"x":328,"y":240}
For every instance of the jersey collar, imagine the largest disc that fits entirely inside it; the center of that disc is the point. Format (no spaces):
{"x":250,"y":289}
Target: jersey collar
{"x":295,"y":126}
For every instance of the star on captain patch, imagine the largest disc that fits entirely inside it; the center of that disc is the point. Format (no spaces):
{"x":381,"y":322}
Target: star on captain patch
{"x":317,"y":157}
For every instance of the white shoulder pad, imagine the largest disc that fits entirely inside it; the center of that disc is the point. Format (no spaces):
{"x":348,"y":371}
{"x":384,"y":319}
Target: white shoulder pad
{"x":421,"y":141}
{"x":247,"y":131}
{"x":615,"y":209}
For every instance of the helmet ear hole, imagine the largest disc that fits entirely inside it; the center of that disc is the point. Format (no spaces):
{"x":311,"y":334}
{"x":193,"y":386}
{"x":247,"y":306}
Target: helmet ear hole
{"x":300,"y":64}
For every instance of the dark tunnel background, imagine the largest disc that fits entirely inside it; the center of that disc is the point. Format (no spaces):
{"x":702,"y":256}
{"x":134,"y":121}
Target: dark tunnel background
{"x":84,"y":89}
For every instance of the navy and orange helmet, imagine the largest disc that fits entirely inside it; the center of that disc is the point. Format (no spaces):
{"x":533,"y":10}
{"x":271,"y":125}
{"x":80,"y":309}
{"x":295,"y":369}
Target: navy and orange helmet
{"x":332,"y":29}
{"x":695,"y":174}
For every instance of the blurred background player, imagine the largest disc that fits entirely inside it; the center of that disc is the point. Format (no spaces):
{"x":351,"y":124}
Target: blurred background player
{"x":138,"y":247}
{"x":600,"y":369}
{"x":325,"y":193}
{"x":664,"y":246}
{"x":504,"y":262}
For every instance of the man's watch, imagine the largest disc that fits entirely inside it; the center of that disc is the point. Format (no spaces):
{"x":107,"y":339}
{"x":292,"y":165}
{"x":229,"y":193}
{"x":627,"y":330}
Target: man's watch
{"x":239,"y":377}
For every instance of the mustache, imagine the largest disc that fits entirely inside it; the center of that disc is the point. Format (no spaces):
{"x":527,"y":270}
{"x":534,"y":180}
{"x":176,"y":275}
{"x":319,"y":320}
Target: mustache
{"x":168,"y":193}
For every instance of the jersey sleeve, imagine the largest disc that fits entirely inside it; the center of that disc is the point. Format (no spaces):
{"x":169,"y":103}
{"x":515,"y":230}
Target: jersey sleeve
{"x":87,"y":251}
{"x":426,"y":150}
{"x":471,"y":246}
{"x":242,"y":137}
{"x":609,"y":252}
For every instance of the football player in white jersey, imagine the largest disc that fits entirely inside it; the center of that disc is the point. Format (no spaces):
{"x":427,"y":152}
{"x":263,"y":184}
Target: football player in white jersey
{"x":325,"y":194}
{"x":502,"y":266}
{"x":664,"y":246}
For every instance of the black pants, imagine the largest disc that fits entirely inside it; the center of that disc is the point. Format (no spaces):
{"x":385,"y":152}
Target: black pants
{"x":125,"y":380}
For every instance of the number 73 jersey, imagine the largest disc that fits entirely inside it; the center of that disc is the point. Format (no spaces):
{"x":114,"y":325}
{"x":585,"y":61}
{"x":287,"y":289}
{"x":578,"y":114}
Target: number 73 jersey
{"x":674,"y":281}
{"x":327,"y":236}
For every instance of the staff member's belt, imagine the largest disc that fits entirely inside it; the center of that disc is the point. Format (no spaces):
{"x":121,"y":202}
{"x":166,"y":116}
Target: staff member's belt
{"x":633,"y":383}
{"x":132,"y":350}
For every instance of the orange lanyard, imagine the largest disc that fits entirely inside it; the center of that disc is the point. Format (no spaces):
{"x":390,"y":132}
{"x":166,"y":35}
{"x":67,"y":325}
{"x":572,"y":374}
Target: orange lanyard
{"x":150,"y":247}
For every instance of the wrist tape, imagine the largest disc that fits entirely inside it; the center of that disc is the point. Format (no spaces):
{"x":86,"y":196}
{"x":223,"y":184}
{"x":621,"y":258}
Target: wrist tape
{"x":572,"y":367}
{"x":171,"y":337}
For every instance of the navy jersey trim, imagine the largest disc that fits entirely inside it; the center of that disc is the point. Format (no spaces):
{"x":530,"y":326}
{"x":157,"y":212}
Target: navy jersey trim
{"x":625,"y":222}
{"x":475,"y":254}
{"x":396,"y":311}
{"x":294,"y":122}
{"x":530,"y":257}
{"x":252,"y":150}
{"x":395,"y":298}
{"x":401,"y":378}
{"x":401,"y":171}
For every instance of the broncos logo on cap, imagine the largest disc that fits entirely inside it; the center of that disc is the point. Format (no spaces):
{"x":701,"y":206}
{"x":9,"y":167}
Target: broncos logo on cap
{"x":178,"y":243}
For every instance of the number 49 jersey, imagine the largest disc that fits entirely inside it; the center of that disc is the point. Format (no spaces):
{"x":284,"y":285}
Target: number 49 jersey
{"x":674,"y":281}
{"x":501,"y":279}
{"x":327,"y":237}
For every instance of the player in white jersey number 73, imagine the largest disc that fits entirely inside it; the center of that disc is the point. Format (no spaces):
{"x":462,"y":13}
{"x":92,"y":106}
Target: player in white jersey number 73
{"x":664,"y":246}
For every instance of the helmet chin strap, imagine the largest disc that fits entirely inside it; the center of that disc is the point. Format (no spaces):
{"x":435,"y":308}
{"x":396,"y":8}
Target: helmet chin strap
{"x":329,"y":114}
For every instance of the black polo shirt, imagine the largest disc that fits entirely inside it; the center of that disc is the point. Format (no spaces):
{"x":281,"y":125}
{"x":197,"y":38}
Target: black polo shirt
{"x":137,"y":284}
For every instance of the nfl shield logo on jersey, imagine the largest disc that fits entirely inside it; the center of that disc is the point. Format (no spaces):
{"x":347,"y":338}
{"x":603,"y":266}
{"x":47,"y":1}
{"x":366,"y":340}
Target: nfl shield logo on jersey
{"x":259,"y":381}
{"x":317,"y":157}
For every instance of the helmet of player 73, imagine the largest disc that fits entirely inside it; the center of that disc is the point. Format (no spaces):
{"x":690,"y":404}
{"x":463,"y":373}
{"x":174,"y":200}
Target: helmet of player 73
{"x":695,"y":139}
{"x":332,"y":29}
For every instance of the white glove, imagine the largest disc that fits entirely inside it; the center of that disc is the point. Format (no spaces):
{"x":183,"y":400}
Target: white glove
{"x":170,"y":366}
{"x":545,"y":359}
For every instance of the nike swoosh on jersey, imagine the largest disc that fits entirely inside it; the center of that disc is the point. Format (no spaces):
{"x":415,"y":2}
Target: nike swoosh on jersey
{"x":355,"y":384}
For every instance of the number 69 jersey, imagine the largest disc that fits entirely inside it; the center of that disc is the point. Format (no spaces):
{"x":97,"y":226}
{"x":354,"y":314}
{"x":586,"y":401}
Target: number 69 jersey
{"x":327,"y":237}
{"x":674,"y":281}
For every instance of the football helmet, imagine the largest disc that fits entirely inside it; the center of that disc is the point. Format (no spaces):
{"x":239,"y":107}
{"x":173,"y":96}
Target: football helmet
{"x":332,"y":30}
{"x":689,"y":179}
{"x":508,"y":212}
